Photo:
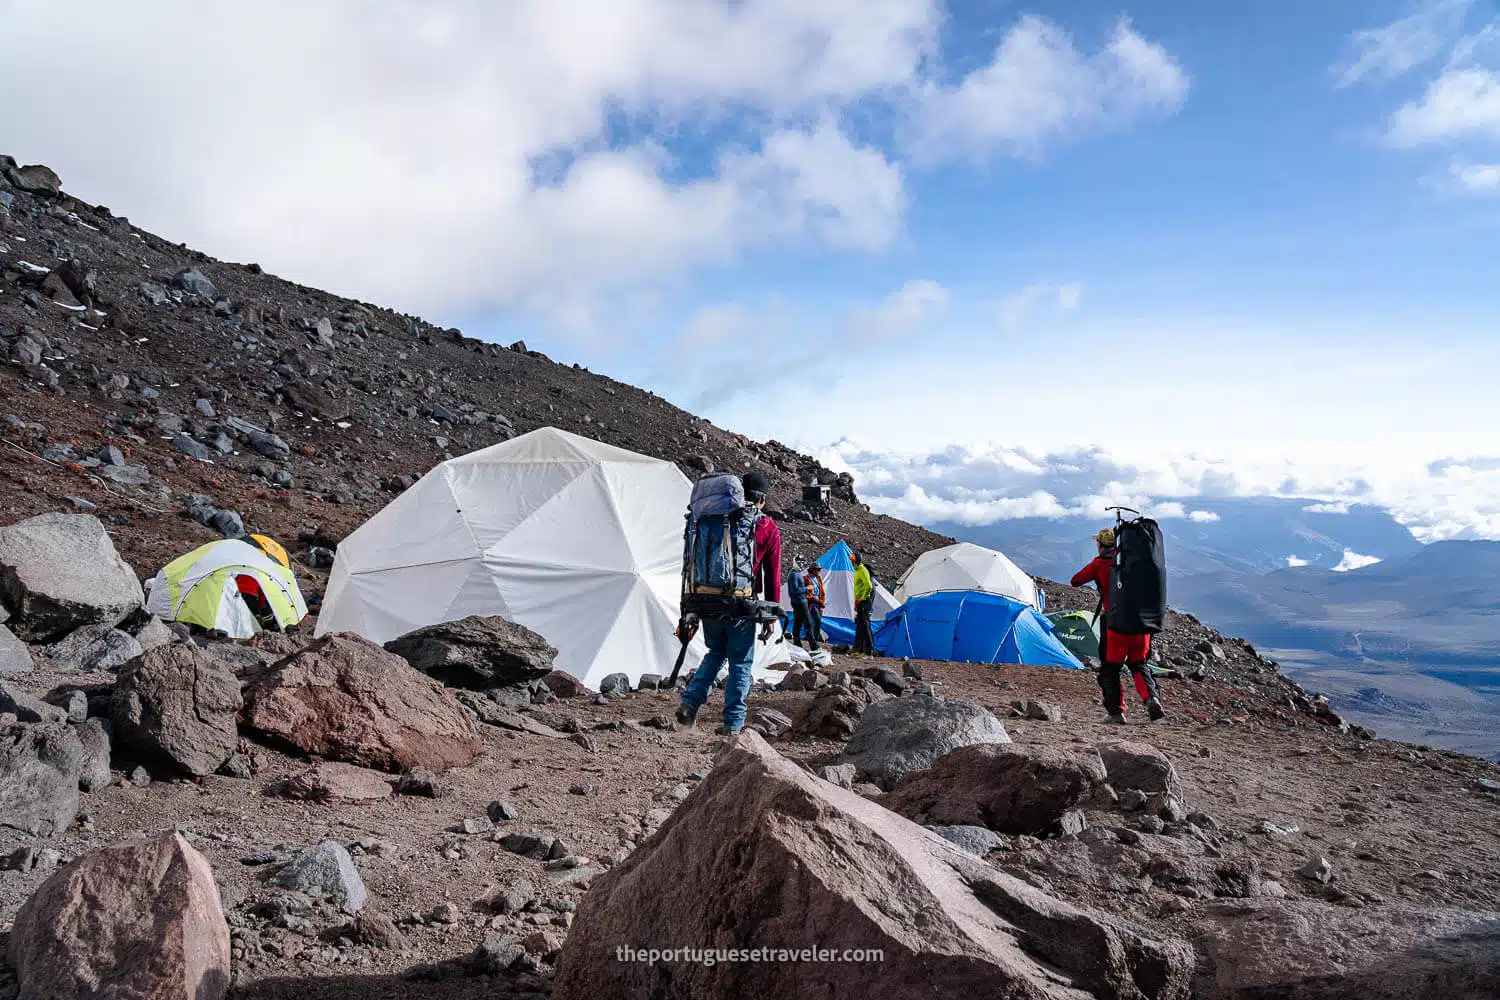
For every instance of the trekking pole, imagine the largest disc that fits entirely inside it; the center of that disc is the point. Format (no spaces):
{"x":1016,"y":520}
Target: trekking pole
{"x":686,"y":629}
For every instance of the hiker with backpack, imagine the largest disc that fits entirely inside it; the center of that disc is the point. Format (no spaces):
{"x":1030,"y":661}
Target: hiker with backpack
{"x":731,"y":580}
{"x":864,"y":601}
{"x":1130,"y":572}
{"x":796,"y":589}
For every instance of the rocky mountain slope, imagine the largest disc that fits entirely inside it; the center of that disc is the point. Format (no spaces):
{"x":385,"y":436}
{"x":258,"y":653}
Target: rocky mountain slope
{"x":144,"y":377}
{"x":331,"y":819}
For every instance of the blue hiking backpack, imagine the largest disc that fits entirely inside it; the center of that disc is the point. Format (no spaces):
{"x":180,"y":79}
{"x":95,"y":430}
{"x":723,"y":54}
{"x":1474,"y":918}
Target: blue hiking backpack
{"x":718,"y":550}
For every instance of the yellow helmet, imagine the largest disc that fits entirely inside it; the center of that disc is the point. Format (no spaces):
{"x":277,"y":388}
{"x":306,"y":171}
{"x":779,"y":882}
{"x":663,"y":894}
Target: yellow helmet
{"x":1106,"y":538}
{"x":273,"y":549}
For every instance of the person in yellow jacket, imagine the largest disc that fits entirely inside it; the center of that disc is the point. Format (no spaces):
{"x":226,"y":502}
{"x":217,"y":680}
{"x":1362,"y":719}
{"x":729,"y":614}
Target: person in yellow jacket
{"x":864,"y":600}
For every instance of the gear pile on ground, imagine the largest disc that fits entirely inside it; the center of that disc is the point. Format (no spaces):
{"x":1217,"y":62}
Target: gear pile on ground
{"x":449,"y":817}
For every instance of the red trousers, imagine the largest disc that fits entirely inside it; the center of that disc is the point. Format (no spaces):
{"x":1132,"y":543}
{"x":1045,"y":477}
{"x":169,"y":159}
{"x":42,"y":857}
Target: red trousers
{"x":1119,"y":650}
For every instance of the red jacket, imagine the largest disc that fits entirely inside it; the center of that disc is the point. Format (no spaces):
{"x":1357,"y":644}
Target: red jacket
{"x":1096,"y":572}
{"x":766,"y":572}
{"x":815,"y":594}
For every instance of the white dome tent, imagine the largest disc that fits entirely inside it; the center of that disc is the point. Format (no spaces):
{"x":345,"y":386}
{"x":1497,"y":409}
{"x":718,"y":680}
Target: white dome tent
{"x":577,"y":540}
{"x":967,"y":566}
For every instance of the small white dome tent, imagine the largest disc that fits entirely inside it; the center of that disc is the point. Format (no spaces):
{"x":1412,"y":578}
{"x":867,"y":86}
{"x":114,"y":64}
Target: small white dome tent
{"x":575,"y":539}
{"x":967,"y":566}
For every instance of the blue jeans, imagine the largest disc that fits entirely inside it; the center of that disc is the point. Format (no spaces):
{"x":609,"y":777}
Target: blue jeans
{"x":731,"y":641}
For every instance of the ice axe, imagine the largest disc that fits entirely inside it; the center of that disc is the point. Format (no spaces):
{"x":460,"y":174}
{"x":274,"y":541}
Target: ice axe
{"x":687,"y":627}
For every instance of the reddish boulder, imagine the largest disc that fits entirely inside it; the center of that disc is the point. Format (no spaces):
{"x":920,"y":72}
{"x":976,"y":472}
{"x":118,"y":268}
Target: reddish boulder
{"x":346,"y":699}
{"x":1008,"y":788}
{"x":136,"y":920}
{"x":764,"y":856}
{"x":334,"y":782}
{"x":565,"y":685}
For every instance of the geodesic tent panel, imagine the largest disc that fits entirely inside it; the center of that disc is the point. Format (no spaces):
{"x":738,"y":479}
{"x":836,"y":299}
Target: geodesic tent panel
{"x":577,"y":540}
{"x":966,"y":566}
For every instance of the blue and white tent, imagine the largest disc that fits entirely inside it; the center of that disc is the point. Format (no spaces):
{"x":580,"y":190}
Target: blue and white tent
{"x":838,"y":590}
{"x":970,"y":626}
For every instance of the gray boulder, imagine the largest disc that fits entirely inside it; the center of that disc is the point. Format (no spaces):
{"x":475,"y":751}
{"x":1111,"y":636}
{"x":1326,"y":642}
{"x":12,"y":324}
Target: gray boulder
{"x":326,"y":870}
{"x":901,"y":735}
{"x":15,"y":657}
{"x":477,"y":652}
{"x":1140,"y":766}
{"x":59,"y":572}
{"x":152,"y":634}
{"x":94,"y":647}
{"x":615,"y":684}
{"x":974,"y":839}
{"x":194,"y":282}
{"x":93,"y":775}
{"x":193,"y":448}
{"x":28,"y":709}
{"x":175,"y":703}
{"x":40,"y":767}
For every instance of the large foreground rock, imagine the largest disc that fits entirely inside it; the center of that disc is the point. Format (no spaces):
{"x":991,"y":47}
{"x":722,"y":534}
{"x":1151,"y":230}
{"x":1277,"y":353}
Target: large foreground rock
{"x":345,"y":698}
{"x":176,"y":704}
{"x":477,"y":652}
{"x":59,"y":572}
{"x":763,"y":855}
{"x":136,"y":920}
{"x":907,"y":734}
{"x":40,"y":766}
{"x":1010,"y":789}
{"x":1295,"y":950}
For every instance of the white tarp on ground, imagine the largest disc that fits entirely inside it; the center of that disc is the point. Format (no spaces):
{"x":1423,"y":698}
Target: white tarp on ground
{"x":577,"y":540}
{"x":966,"y":566}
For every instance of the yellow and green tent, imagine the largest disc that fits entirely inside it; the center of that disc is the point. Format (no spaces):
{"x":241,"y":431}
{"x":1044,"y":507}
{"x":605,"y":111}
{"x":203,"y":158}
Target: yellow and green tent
{"x":203,"y":588}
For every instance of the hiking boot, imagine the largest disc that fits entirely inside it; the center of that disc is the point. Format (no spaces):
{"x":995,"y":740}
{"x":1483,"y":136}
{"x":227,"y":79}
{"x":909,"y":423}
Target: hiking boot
{"x":686,"y":716}
{"x":1154,"y":709}
{"x":726,"y":731}
{"x":1116,"y":719}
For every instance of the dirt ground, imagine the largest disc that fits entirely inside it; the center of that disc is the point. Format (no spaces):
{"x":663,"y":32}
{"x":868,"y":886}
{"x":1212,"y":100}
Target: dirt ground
{"x":1399,"y":825}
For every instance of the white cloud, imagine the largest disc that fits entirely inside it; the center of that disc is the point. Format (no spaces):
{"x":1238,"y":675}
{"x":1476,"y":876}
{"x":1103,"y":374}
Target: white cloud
{"x":1396,"y":48}
{"x":906,"y":310}
{"x":1038,"y":87}
{"x":1017,"y":307}
{"x":1353,"y":560}
{"x":1203,"y":516}
{"x":1293,"y":562}
{"x":1476,"y":177}
{"x":551,"y":155}
{"x":1461,"y":103}
{"x":1454,"y":498}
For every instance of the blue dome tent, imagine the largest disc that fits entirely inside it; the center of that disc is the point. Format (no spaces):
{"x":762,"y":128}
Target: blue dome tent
{"x":972,"y":627}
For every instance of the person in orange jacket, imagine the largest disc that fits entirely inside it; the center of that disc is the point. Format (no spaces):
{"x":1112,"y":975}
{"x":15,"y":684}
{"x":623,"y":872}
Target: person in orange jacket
{"x":816,"y":598}
{"x":1117,"y":650}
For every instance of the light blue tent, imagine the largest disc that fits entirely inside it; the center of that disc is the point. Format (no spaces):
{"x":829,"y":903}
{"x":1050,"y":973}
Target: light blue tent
{"x":838,"y":591}
{"x":972,"y":627}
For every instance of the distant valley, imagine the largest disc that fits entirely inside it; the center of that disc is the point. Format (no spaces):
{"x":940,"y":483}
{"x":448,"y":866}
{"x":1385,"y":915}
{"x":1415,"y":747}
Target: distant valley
{"x":1408,"y":645}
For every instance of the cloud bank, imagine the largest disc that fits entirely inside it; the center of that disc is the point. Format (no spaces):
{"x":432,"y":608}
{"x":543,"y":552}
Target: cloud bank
{"x":1453,"y":498}
{"x":544,"y":155}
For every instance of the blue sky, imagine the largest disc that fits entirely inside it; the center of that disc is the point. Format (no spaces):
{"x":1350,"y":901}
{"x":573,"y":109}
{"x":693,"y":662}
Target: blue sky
{"x":887,"y":230}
